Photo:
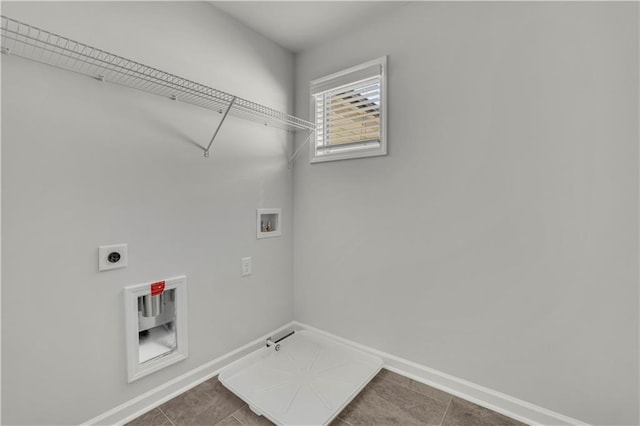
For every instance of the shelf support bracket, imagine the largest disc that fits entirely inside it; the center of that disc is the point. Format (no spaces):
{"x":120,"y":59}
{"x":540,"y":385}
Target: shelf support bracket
{"x":306,"y":141}
{"x":206,"y":151}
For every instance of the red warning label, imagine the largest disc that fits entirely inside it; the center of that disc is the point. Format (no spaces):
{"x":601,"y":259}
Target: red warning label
{"x":157,"y":288}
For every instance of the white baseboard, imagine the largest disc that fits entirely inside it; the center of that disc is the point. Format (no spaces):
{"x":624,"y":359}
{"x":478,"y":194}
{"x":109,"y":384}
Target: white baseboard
{"x":493,"y":400}
{"x":149,"y":400}
{"x":488,"y":398}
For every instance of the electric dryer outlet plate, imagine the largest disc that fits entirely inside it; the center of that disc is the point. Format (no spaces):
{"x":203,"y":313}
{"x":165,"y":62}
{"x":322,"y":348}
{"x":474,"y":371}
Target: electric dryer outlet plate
{"x":112,"y":257}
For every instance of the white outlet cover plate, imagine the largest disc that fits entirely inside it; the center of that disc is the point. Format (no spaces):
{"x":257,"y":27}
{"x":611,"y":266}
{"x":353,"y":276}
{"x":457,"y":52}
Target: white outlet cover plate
{"x":103,"y":254}
{"x":246,"y":266}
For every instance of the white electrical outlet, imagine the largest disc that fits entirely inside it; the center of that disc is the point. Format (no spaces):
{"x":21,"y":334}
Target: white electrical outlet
{"x":246,"y":266}
{"x":112,"y":257}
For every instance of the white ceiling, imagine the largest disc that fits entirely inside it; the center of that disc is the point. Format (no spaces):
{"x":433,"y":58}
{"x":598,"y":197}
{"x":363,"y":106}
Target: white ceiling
{"x":300,"y":25}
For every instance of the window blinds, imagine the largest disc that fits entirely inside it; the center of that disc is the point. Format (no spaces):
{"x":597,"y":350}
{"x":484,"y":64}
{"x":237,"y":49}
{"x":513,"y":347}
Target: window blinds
{"x":348,"y":116}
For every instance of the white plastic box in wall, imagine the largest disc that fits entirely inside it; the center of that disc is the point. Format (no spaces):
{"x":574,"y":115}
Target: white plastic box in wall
{"x":156,"y":325}
{"x":268,"y":223}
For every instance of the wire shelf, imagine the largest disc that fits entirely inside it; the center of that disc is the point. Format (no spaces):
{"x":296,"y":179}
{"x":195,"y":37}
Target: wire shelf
{"x":33,"y":43}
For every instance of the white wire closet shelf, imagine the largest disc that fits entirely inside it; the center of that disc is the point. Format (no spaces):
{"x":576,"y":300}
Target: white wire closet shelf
{"x":26,"y":41}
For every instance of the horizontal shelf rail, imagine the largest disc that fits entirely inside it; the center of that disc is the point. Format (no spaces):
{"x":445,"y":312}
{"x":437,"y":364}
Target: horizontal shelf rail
{"x":23,"y":40}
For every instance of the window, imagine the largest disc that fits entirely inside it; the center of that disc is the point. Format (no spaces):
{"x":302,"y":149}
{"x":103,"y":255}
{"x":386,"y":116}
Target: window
{"x":349,"y":109}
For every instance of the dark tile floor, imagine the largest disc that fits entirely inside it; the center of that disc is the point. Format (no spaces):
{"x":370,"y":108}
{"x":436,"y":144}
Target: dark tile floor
{"x":389,"y":399}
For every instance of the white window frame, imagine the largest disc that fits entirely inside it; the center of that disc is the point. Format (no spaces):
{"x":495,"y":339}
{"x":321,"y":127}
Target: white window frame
{"x":341,"y":78}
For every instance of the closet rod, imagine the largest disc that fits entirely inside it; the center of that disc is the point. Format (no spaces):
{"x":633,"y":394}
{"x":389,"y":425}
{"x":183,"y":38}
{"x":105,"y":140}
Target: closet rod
{"x":24,"y":40}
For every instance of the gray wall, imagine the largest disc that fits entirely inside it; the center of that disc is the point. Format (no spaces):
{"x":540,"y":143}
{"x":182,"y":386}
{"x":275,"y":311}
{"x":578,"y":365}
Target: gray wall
{"x":86,"y":164}
{"x":498,"y":241}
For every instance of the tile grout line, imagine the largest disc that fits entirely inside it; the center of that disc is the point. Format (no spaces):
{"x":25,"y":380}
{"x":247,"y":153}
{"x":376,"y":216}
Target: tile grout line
{"x":338,"y":417}
{"x":415,"y":391}
{"x":233,"y":414}
{"x":444,"y":415}
{"x":394,"y":404}
{"x":446,"y":411}
{"x":235,"y":418}
{"x":170,"y":421}
{"x":452,"y":397}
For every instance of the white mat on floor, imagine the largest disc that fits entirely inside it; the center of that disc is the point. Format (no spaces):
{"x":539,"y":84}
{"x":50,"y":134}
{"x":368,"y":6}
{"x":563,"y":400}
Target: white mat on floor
{"x":307,"y":382}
